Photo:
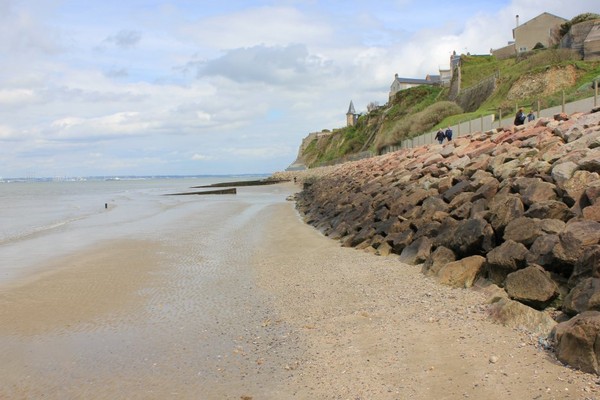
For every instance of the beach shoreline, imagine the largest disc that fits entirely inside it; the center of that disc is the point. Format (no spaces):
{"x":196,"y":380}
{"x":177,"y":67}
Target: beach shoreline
{"x":294,"y":315}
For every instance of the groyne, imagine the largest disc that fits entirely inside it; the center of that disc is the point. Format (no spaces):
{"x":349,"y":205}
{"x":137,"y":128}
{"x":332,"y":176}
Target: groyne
{"x":515,"y":208}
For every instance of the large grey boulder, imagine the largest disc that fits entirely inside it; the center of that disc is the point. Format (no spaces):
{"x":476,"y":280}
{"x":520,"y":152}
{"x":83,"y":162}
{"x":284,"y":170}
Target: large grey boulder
{"x":519,"y":316}
{"x":462,"y":273}
{"x":550,"y":209}
{"x":565,"y":253}
{"x":466,"y":237}
{"x":562,"y":172}
{"x":399,"y":240}
{"x":576,"y":341}
{"x":437,"y":259}
{"x":592,"y":193}
{"x":586,"y":231}
{"x":460,"y":187}
{"x":416,"y":252}
{"x":523,"y":230}
{"x":504,"y":259}
{"x":533,"y":190}
{"x":531,"y":286}
{"x":541,"y":251}
{"x":583,"y":297}
{"x":591,"y":162}
{"x":577,"y":184}
{"x":503,"y":210}
{"x":587,"y":266}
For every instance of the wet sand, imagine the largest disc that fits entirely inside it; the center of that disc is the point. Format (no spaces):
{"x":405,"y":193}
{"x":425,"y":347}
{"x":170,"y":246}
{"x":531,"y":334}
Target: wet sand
{"x":256,"y":304}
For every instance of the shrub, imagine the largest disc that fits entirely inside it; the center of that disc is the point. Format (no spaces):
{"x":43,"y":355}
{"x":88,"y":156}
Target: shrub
{"x":417,"y":123}
{"x":566,"y":27}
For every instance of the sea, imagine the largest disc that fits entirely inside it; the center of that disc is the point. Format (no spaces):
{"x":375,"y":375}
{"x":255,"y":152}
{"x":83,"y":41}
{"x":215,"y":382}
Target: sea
{"x":46,"y":218}
{"x":160,"y":297}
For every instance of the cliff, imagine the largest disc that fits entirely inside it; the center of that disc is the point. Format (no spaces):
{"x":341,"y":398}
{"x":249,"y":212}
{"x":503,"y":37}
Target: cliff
{"x":543,"y":78}
{"x":515,"y":207}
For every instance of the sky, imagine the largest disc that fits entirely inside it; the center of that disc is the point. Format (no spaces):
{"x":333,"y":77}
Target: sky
{"x":202,"y":87}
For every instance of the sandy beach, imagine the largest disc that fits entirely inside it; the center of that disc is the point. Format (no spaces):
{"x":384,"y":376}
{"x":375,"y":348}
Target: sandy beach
{"x":292,"y":315}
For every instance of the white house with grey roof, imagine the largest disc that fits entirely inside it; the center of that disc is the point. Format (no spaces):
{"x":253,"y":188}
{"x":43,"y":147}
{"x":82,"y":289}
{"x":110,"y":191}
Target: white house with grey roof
{"x":405,"y":83}
{"x":443,"y":78}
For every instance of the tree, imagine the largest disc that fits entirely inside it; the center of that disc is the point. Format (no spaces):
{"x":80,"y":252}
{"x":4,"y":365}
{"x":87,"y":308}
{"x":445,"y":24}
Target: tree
{"x":566,"y":27}
{"x":538,"y":46}
{"x":372,"y":106}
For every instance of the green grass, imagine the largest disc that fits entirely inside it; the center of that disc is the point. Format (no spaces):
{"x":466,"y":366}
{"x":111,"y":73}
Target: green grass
{"x":512,"y":69}
{"x":424,"y":108}
{"x":417,"y":123}
{"x":477,"y":68}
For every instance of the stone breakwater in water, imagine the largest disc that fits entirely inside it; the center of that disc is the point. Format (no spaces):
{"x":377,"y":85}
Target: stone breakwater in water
{"x":516,"y":209}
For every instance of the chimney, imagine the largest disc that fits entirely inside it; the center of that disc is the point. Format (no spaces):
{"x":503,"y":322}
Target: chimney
{"x":517,"y":21}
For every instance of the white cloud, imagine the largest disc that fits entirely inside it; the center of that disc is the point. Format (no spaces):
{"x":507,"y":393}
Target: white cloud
{"x":258,"y":152}
{"x":268,"y":26}
{"x":290,"y":65}
{"x":201,"y":157}
{"x":245,"y":86}
{"x":6,"y":132}
{"x":15,"y":97}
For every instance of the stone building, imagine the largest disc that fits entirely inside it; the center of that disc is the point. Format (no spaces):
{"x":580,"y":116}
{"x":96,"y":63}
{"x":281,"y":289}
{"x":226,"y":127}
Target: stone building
{"x":351,"y":115}
{"x":584,"y":38}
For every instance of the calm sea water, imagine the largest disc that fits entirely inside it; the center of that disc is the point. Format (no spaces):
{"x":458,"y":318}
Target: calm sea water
{"x":40,"y":219}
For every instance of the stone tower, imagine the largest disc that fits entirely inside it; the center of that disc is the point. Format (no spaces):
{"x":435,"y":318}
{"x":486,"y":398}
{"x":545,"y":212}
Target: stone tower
{"x":351,"y":115}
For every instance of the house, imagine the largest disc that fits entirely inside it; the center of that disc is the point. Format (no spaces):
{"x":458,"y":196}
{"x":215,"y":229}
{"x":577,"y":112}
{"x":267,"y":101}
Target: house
{"x":445,"y":75}
{"x":526,"y":36}
{"x":443,"y":78}
{"x":405,"y":83}
{"x":536,"y":30}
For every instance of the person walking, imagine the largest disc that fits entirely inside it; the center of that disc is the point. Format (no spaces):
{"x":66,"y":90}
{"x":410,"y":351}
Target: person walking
{"x":520,"y":117}
{"x":440,"y":136}
{"x":448,"y":134}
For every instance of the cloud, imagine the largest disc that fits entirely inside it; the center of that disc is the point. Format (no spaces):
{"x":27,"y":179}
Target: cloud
{"x":117,"y":73}
{"x":269,"y":26}
{"x":24,"y":32}
{"x":232,"y":86}
{"x":118,"y":125}
{"x":275,"y":65}
{"x":124,"y":39}
{"x":6,"y":132}
{"x":15,"y":97}
{"x":258,"y":151}
{"x":201,"y":157}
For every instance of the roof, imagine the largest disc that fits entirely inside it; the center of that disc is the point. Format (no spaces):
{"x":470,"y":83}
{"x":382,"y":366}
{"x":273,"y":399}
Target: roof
{"x":351,"y":108}
{"x":534,"y":18}
{"x":414,"y":81}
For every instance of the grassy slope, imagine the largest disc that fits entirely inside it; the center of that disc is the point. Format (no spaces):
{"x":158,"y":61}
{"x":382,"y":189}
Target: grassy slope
{"x":475,"y":68}
{"x":422,"y":109}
